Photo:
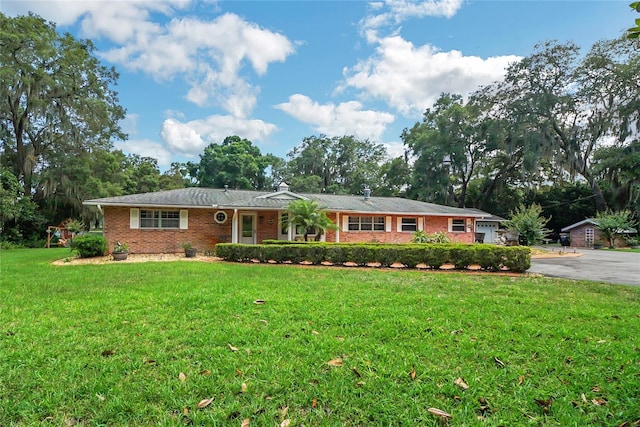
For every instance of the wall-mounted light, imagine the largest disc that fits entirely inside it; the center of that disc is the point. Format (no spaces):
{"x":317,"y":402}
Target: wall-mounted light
{"x":271,"y":221}
{"x":261,"y":219}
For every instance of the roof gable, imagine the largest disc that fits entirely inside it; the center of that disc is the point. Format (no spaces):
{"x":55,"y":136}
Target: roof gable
{"x":283,"y":195}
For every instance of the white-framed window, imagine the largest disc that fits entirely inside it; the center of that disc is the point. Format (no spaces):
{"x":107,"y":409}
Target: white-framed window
{"x":220,"y":217}
{"x":366,"y":223}
{"x":284,"y":223}
{"x":409,"y":224}
{"x":456,"y":225}
{"x":152,"y":218}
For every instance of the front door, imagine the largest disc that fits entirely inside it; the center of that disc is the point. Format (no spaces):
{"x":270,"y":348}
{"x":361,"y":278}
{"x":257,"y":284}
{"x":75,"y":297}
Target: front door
{"x":248,"y":229}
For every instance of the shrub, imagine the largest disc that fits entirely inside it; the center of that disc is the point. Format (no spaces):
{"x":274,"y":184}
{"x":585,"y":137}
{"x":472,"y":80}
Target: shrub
{"x":529,"y":223}
{"x":89,"y":245}
{"x":489,"y":257}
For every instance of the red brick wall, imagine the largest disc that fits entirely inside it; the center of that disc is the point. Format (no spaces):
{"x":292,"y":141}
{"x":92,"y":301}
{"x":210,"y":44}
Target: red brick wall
{"x":204,"y":232}
{"x":431,"y":225}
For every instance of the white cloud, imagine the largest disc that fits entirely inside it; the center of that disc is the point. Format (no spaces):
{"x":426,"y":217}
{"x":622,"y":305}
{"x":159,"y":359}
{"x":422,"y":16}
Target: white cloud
{"x":347,"y":118}
{"x":129,"y":124}
{"x":181,"y":137}
{"x":410,"y":78}
{"x":394,"y":12}
{"x":394,"y":148}
{"x":209,"y":54}
{"x":146,"y":148}
{"x":190,"y":138}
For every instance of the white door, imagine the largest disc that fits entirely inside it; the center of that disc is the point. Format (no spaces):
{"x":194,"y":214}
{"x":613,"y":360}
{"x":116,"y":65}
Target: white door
{"x":248,"y":229}
{"x":489,"y":229}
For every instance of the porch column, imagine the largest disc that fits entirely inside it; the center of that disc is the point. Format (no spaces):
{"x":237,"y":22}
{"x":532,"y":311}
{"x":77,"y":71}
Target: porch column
{"x":234,"y":227}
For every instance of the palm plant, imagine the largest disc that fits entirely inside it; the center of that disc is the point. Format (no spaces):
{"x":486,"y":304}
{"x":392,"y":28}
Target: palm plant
{"x":310,"y":217}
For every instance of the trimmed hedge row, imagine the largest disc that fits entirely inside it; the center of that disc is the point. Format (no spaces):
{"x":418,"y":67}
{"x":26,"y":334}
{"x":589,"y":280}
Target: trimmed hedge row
{"x":462,"y":256}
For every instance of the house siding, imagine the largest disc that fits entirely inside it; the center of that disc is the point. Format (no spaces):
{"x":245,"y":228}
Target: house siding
{"x":430,"y":225}
{"x":204,"y":232}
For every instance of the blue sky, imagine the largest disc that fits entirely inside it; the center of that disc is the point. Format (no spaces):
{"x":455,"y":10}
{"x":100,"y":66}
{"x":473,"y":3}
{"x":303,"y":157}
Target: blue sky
{"x":275,"y":72}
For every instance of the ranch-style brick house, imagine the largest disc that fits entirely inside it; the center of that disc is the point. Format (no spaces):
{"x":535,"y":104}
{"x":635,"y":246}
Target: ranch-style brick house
{"x":159,"y":222}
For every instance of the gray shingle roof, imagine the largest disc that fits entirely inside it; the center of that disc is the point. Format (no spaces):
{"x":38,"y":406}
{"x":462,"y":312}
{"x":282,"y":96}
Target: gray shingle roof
{"x":196,"y":197}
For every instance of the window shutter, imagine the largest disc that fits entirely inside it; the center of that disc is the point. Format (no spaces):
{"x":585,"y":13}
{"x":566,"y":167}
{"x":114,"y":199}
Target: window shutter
{"x":450,"y":225}
{"x":134,"y":218}
{"x":184,"y":219}
{"x":399,"y":224}
{"x":345,"y":223}
{"x":421,"y":224}
{"x":387,"y":224}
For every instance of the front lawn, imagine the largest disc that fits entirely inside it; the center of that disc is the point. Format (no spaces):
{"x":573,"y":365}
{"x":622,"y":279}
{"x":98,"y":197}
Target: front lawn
{"x":144,"y":344}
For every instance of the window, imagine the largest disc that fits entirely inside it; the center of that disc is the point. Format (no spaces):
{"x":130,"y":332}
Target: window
{"x":409,"y":224}
{"x":284,"y":223}
{"x":220,"y":217}
{"x":159,"y":219}
{"x":457,"y":225}
{"x":366,"y":223}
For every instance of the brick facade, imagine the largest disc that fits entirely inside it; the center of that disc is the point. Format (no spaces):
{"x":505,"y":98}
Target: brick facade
{"x":204,"y":232}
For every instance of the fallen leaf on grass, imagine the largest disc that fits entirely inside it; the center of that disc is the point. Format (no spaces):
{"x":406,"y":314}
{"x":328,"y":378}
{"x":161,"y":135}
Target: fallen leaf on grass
{"x":205,"y":402}
{"x":264,"y":321}
{"x":182,"y":377}
{"x":545,"y":404}
{"x":356,"y":372}
{"x":100,"y":397}
{"x":185,"y":411}
{"x":150,"y":362}
{"x":246,"y":422}
{"x":232,"y":348}
{"x":314,"y":332}
{"x":314,"y":403}
{"x":239,"y":373}
{"x":413,"y":374}
{"x":259,"y":301}
{"x":499,"y":362}
{"x":284,"y":411}
{"x":243,"y":388}
{"x":439,"y":413}
{"x":520,"y":379}
{"x":285,"y":423}
{"x":205,"y":372}
{"x":460,"y":383}
{"x":360,"y":383}
{"x":108,"y":353}
{"x":335,"y":362}
{"x":598,"y":402}
{"x":583,"y":397}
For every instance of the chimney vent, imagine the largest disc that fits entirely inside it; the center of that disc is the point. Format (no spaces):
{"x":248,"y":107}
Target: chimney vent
{"x":367,"y":193}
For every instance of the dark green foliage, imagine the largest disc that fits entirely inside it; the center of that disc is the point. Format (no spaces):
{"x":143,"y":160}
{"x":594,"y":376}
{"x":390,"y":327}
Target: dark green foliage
{"x":488,"y":257}
{"x":89,"y":245}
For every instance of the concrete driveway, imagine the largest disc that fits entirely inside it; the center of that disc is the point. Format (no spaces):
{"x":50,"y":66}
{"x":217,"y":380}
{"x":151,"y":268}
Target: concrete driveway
{"x":598,"y":265}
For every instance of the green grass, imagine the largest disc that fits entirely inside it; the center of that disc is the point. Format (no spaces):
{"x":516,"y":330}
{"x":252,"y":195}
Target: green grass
{"x":60,"y":324}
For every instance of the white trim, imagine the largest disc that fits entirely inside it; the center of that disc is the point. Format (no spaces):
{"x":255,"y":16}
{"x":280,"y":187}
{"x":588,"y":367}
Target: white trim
{"x":134,"y":218}
{"x":184,"y":219}
{"x":234,"y":226}
{"x":215,"y":217}
{"x":278,"y":195}
{"x":254,"y":227}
